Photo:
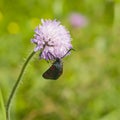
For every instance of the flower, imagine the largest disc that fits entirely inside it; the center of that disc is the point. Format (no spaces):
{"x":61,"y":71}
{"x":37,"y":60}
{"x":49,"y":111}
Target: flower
{"x":77,"y":20}
{"x":52,"y":39}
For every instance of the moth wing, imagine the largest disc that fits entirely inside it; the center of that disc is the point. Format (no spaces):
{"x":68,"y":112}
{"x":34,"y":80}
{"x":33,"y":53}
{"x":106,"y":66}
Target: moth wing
{"x":53,"y":73}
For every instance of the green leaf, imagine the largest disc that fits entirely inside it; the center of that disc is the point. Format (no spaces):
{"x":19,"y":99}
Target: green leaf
{"x":114,"y":115}
{"x":2,"y":108}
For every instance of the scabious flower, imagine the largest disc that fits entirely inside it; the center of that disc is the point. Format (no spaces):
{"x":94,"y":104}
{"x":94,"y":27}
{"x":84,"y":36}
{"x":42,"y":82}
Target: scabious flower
{"x":52,"y":39}
{"x":78,"y":20}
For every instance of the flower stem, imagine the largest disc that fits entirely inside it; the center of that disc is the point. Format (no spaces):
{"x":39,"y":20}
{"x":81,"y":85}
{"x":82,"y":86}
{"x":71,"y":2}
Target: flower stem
{"x":16,"y":86}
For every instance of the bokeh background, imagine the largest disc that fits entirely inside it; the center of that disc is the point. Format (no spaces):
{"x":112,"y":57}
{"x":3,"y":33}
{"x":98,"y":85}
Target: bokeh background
{"x":89,"y":88}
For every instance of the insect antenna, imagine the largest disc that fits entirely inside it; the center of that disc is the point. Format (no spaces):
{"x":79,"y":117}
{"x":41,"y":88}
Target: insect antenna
{"x":67,"y":52}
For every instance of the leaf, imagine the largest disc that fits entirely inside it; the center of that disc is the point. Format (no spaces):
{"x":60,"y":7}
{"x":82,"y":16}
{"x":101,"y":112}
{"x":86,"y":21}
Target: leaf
{"x":2,"y":108}
{"x":114,"y":115}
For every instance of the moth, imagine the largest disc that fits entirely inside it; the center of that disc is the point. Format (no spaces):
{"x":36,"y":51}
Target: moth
{"x":55,"y":70}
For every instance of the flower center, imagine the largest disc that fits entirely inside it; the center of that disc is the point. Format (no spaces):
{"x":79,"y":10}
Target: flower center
{"x":48,"y":43}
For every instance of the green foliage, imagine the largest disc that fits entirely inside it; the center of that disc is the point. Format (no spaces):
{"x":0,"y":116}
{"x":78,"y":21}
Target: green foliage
{"x":2,"y":108}
{"x":89,"y":88}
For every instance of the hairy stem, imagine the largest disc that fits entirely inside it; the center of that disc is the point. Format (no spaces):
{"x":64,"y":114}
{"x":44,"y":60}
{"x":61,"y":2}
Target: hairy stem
{"x":16,"y":86}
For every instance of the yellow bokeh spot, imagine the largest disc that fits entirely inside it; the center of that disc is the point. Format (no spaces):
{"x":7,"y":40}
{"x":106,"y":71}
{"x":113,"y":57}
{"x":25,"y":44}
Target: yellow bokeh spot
{"x":13,"y":28}
{"x":34,"y":22}
{"x":1,"y":16}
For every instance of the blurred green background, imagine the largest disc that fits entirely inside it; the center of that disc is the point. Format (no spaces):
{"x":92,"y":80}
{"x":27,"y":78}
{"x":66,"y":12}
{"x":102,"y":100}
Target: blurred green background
{"x":89,"y":88}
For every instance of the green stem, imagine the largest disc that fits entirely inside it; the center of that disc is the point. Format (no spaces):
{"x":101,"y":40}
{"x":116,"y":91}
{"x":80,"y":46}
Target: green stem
{"x":15,"y":86}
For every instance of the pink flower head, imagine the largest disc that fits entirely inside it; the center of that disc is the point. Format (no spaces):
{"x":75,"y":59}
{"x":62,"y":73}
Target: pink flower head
{"x":52,"y":39}
{"x":77,"y":20}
